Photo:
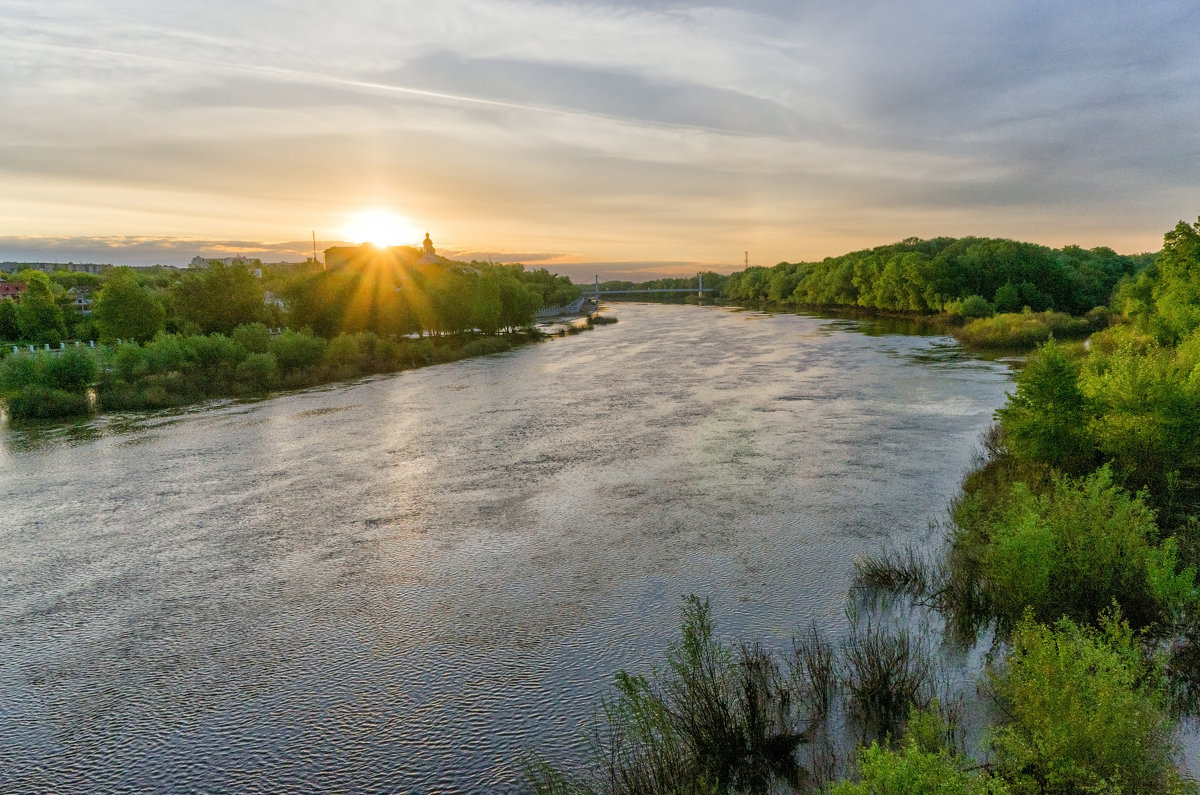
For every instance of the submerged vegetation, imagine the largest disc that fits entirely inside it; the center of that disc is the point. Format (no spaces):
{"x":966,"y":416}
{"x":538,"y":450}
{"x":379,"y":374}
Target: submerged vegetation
{"x":1071,"y":553}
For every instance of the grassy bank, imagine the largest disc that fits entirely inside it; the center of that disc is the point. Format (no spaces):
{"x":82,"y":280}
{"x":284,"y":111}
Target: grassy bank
{"x":178,"y":369}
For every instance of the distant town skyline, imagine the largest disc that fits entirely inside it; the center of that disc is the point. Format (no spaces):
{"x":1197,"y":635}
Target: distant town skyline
{"x":629,"y":139}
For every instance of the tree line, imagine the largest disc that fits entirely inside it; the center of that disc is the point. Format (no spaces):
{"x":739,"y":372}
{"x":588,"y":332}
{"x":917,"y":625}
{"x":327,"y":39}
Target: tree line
{"x":940,"y":275}
{"x":206,"y":332}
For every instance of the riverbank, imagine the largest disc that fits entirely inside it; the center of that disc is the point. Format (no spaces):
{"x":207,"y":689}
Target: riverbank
{"x":176,"y":370}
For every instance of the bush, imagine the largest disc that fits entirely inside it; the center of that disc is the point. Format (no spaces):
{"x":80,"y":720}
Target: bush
{"x":215,"y":352}
{"x":1022,"y":331}
{"x":254,"y":337}
{"x":344,"y":350}
{"x":917,"y":768}
{"x":22,"y":369}
{"x":73,"y":370}
{"x":34,"y":401}
{"x":257,"y":373}
{"x":295,"y":350}
{"x":975,"y":306}
{"x":486,"y":345}
{"x":1084,"y":712}
{"x":1073,"y":552}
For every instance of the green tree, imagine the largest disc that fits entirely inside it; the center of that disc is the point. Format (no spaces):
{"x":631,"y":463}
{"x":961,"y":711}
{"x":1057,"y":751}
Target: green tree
{"x":125,"y":311}
{"x":39,"y":316}
{"x":220,"y":298}
{"x":9,"y":329}
{"x":1046,"y":419}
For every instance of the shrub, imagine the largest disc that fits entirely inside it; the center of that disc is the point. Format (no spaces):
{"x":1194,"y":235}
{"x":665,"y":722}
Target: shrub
{"x":215,"y":352}
{"x":73,"y":370}
{"x":1075,"y":550}
{"x":34,"y":401}
{"x":916,"y":769}
{"x":127,"y":362}
{"x":1084,"y":710}
{"x":294,"y":350}
{"x":344,"y":350}
{"x":975,"y":306}
{"x":257,"y":373}
{"x":22,"y":369}
{"x":254,"y":337}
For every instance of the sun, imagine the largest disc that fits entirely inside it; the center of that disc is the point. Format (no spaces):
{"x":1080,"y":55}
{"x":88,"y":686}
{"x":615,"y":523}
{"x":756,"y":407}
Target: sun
{"x":381,"y":228}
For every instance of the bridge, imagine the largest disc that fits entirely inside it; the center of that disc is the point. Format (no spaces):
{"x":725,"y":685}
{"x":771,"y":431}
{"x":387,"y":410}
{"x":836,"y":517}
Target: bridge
{"x":699,"y":290}
{"x":585,"y":305}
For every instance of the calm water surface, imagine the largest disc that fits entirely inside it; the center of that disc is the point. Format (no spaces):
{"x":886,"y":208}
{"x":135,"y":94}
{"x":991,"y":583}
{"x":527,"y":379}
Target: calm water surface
{"x":397,"y":585}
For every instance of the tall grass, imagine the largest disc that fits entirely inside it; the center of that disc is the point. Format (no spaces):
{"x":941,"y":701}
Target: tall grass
{"x":1023,"y":330}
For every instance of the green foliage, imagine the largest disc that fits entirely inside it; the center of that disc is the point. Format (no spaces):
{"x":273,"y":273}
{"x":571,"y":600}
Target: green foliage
{"x":1085,"y":711}
{"x":257,"y":373}
{"x":219,"y":298}
{"x":124,"y":310}
{"x":1074,"y":551}
{"x":940,"y":275}
{"x":10,"y":331}
{"x":1174,"y":307}
{"x":254,"y":337}
{"x":1046,"y":419}
{"x":973,"y":306}
{"x":1145,"y":413}
{"x":915,"y":768}
{"x":1023,"y":330}
{"x":73,"y":370}
{"x":37,"y":402}
{"x":47,"y":385}
{"x":294,"y":350}
{"x":40,"y":318}
{"x":718,"y":720}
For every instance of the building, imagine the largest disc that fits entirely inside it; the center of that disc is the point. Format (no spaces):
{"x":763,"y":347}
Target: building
{"x":254,"y":265}
{"x":81,"y":299}
{"x":12,"y":290}
{"x":367,"y":254}
{"x":51,"y":267}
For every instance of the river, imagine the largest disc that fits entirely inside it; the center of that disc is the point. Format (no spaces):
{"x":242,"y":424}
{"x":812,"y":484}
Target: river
{"x":398,"y":585}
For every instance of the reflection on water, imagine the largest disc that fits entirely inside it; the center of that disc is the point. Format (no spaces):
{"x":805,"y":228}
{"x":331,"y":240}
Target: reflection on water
{"x":397,"y":585}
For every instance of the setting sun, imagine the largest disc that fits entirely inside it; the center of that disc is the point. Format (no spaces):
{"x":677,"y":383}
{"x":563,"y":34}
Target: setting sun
{"x":381,"y":228}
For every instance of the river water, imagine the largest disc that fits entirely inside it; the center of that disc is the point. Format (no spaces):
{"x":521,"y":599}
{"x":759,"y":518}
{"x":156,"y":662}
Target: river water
{"x":398,"y":585}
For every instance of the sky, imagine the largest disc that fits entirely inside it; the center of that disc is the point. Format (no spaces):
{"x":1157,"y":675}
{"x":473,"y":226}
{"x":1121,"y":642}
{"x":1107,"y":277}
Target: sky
{"x":628,"y":139}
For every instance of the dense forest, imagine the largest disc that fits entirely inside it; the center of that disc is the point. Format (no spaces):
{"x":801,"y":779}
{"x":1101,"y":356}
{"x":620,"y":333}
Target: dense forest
{"x":940,"y":275}
{"x":1070,"y":560}
{"x":969,"y":277}
{"x":170,"y":337}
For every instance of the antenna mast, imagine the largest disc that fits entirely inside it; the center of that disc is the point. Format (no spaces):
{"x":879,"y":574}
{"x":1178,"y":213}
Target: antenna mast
{"x":314,"y":246}
{"x":746,"y":259}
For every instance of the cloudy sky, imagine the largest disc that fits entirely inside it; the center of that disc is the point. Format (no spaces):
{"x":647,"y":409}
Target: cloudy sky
{"x":625,"y":137}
